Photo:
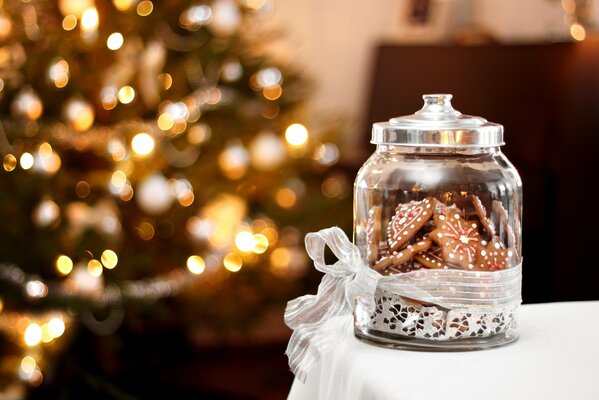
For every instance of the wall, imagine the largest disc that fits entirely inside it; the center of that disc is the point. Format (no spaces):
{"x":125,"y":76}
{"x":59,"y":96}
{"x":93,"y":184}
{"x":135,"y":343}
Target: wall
{"x":334,"y":39}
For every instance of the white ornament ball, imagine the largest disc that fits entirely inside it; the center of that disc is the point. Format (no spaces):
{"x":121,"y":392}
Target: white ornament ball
{"x":153,"y":195}
{"x":267,"y":151}
{"x":80,"y":114}
{"x":226,"y":17}
{"x":46,"y":213}
{"x":233,"y":161}
{"x":84,"y":282}
{"x":27,"y":104}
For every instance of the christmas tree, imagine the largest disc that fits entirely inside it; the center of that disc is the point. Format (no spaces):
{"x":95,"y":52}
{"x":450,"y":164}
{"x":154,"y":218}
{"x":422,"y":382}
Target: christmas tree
{"x":151,"y":149}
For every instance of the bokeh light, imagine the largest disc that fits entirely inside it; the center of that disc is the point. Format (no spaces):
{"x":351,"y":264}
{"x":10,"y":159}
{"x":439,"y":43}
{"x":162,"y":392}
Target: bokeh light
{"x":64,"y":264}
{"x":90,"y":19}
{"x":114,"y":41}
{"x":94,"y":267}
{"x":126,"y":94}
{"x":33,"y":335}
{"x":142,"y":144}
{"x":296,"y":135}
{"x":109,"y":259}
{"x":26,"y":161}
{"x":196,"y":265}
{"x":145,"y":8}
{"x":233,"y":262}
{"x":245,"y":241}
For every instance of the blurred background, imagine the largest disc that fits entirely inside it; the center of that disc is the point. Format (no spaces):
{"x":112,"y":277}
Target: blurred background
{"x":162,"y":162}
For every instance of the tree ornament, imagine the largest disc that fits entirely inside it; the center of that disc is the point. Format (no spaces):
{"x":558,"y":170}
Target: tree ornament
{"x":267,"y":151}
{"x":233,"y":161}
{"x":27,"y":104}
{"x":79,"y":113}
{"x":46,"y":213}
{"x":153,"y":194}
{"x":226,"y":17}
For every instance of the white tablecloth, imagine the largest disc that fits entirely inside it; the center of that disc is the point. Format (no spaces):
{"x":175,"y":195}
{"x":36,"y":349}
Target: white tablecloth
{"x":556,"y":357}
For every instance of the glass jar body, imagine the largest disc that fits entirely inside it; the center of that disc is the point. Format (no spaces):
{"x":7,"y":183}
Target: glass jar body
{"x":433,"y":212}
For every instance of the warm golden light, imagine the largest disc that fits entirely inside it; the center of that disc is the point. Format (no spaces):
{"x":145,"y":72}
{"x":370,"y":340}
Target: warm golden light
{"x":254,"y":4}
{"x":59,"y":73}
{"x":145,"y":8}
{"x":94,"y":267}
{"x":196,"y":265}
{"x":578,"y":32}
{"x":261,"y":243}
{"x":26,"y":161}
{"x":90,"y":19}
{"x":166,"y":80}
{"x":109,"y":259}
{"x":33,"y":335}
{"x":296,"y":135}
{"x":232,"y":262}
{"x":142,"y":144}
{"x":123,"y":5}
{"x":118,"y":179}
{"x":245,"y":241}
{"x":9,"y":162}
{"x":285,"y":197}
{"x":56,"y":327}
{"x":126,"y":94}
{"x":115,"y":41}
{"x":272,"y":92}
{"x":28,"y":364}
{"x":145,"y":231}
{"x":80,"y":114}
{"x":186,"y":198}
{"x":165,"y":121}
{"x":69,"y":22}
{"x":64,"y":264}
{"x":280,"y":258}
{"x":46,"y":335}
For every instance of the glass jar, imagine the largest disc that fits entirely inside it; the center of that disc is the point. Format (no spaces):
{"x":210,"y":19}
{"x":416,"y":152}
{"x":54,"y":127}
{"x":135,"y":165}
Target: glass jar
{"x":437,"y":212}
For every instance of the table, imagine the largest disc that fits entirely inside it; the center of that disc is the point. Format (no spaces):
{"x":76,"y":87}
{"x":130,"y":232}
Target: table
{"x":556,"y":357}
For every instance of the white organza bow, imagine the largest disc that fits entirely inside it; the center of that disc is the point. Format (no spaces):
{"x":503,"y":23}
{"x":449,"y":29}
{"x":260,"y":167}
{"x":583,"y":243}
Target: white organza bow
{"x":315,"y":330}
{"x":310,"y":316}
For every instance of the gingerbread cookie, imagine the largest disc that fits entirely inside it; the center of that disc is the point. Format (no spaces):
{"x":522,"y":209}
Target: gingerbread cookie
{"x":458,"y":238}
{"x":404,"y":255}
{"x":408,"y":220}
{"x":373,"y":233}
{"x":493,"y":256}
{"x":481,"y":212}
{"x":502,"y":216}
{"x":431,"y":260}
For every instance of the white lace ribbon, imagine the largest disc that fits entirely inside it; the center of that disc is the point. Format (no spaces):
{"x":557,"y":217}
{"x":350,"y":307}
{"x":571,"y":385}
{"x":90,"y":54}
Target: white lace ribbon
{"x":311,"y":317}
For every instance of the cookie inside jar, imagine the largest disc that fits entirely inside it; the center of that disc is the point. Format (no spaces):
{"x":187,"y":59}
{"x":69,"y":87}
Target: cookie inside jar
{"x":435,"y":234}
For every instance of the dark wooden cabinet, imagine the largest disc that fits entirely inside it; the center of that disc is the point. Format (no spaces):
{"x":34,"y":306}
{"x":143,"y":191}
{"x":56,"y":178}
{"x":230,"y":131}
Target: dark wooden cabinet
{"x":547,"y":97}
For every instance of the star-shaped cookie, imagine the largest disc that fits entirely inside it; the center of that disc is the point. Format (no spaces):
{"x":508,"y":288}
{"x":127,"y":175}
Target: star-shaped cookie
{"x":458,"y":238}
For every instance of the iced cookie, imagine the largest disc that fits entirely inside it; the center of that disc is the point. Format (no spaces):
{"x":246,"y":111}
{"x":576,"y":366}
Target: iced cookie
{"x":408,"y":220}
{"x":402,"y":256}
{"x":481,"y":212}
{"x":459,"y":239}
{"x":493,"y":256}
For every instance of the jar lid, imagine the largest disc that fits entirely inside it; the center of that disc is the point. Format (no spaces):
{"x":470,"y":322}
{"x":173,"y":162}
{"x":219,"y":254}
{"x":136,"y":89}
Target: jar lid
{"x":438,"y":124}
